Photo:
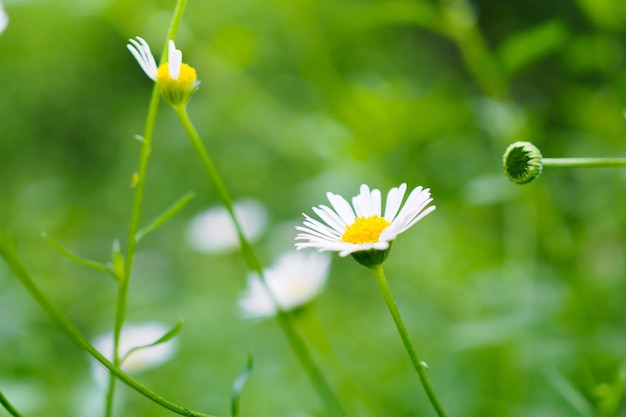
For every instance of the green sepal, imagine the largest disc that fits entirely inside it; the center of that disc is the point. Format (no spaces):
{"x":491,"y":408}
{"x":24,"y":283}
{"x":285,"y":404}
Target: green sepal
{"x":239,"y":384}
{"x":170,"y":212}
{"x":371,"y":258}
{"x":173,"y":332}
{"x":80,"y":260}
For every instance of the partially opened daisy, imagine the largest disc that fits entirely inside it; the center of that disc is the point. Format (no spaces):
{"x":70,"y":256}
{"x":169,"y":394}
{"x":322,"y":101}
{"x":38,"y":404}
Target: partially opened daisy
{"x":178,"y":81}
{"x":361,"y":229}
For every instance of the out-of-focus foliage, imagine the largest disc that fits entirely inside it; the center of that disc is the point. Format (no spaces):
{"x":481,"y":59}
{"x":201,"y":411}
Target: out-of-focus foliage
{"x":514,"y":296}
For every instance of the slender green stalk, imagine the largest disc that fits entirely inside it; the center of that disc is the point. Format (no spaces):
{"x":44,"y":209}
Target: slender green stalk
{"x":7,"y":406}
{"x":417,"y":364}
{"x":79,"y":339}
{"x":295,"y":340}
{"x":584,"y":162}
{"x":142,"y":170}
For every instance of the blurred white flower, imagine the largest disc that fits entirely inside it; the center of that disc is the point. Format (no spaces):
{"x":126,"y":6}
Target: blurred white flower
{"x":214,"y":231}
{"x":4,"y":18}
{"x":295,"y":279}
{"x":134,"y":335}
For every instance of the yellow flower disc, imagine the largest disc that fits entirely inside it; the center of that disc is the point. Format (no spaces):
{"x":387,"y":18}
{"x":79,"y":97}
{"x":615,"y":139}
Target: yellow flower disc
{"x":365,"y":230}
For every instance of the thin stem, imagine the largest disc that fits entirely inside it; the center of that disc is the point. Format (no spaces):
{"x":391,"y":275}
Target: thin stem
{"x":584,"y":162}
{"x":79,"y":339}
{"x":142,"y":170}
{"x":7,"y":406}
{"x":295,"y":340}
{"x":417,"y":364}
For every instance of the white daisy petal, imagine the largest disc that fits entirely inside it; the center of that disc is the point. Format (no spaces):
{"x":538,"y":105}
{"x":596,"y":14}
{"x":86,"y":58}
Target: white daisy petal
{"x":4,"y":19}
{"x":141,"y":51}
{"x":331,"y":218}
{"x":174,"y":60}
{"x":342,"y":207}
{"x":394,"y":200}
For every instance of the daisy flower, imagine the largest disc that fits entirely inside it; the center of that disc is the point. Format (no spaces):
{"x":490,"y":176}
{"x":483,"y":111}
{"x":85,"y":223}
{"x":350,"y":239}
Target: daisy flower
{"x":132,"y":336}
{"x":294,"y":280}
{"x":178,"y":81}
{"x":213,"y":230}
{"x":361,"y":229}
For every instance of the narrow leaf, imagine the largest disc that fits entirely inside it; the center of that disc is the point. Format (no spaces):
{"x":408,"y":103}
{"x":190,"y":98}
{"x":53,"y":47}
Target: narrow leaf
{"x":89,"y":263}
{"x":570,"y":394}
{"x":167,"y":336}
{"x":239,"y":384}
{"x":165,"y":216}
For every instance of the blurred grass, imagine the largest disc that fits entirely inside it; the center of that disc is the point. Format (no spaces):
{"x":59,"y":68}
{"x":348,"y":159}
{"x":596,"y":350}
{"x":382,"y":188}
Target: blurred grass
{"x":298,"y":98}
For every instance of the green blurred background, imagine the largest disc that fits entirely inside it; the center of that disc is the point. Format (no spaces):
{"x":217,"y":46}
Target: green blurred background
{"x":514,"y":295}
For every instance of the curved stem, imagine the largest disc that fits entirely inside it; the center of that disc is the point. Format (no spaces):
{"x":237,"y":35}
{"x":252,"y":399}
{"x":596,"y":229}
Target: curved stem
{"x":78,"y":338}
{"x":295,"y":340}
{"x":7,"y":406}
{"x":417,"y":364}
{"x":584,"y":162}
{"x":142,"y":170}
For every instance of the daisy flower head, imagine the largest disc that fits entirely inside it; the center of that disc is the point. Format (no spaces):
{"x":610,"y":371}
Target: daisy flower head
{"x":133,"y":336}
{"x":177,"y":81}
{"x":294,"y":280}
{"x":362,"y":229}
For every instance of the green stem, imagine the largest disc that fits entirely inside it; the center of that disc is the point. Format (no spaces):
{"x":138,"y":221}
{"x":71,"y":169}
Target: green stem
{"x":7,"y":406}
{"x":583,"y":162}
{"x":79,"y":339}
{"x":142,"y":170}
{"x":417,"y":364}
{"x":295,"y":340}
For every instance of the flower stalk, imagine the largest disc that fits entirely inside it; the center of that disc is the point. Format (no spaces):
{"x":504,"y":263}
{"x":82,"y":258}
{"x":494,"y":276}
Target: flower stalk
{"x":584,"y":162}
{"x":8,"y":406}
{"x":295,"y":340}
{"x":381,"y":279}
{"x":139,"y":186}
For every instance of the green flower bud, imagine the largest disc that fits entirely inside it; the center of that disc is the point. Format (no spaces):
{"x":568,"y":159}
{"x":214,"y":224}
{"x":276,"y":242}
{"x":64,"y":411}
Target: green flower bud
{"x":522,"y":162}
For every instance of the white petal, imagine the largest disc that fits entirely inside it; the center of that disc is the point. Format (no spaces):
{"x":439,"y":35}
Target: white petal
{"x":394,"y":200}
{"x":367,"y":203}
{"x":141,"y":51}
{"x":174,"y":60}
{"x":331,"y":218}
{"x":4,"y":19}
{"x":342,"y":207}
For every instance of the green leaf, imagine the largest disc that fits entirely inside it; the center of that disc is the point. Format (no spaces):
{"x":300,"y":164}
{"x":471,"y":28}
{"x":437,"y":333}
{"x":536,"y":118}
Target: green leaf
{"x":167,"y":336}
{"x":239,"y":384}
{"x":89,"y":263}
{"x":526,"y":47}
{"x":165,"y":216}
{"x":570,"y":394}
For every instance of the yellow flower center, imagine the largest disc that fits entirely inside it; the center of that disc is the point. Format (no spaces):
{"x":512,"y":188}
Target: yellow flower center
{"x":187,"y":75}
{"x":365,"y":230}
{"x":177,"y":92}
